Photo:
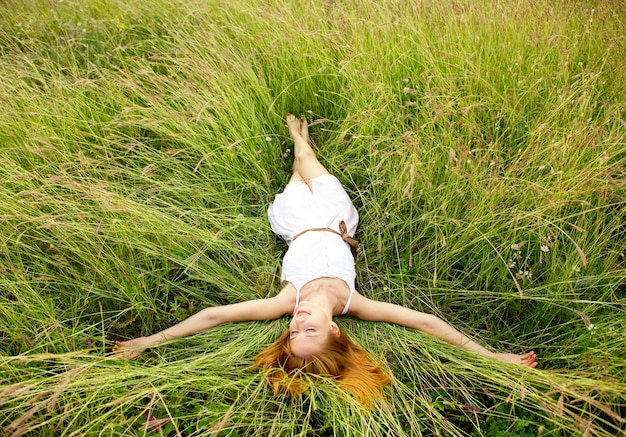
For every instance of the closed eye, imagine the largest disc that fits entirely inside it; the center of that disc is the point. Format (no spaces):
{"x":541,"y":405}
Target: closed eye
{"x":293,"y":334}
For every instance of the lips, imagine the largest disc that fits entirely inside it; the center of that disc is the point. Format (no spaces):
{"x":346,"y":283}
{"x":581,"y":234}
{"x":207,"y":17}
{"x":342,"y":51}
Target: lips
{"x":299,"y":313}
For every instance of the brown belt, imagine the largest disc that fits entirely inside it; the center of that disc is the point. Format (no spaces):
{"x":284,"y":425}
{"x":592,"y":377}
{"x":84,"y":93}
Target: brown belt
{"x":343,"y":233}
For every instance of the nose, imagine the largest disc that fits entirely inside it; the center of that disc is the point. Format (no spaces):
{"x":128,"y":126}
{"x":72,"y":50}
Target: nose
{"x":297,"y":319}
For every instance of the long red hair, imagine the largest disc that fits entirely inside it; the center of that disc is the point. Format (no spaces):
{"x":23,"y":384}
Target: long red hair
{"x":341,"y":359}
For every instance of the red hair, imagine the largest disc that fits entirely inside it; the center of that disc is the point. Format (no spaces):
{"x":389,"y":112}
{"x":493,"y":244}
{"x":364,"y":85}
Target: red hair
{"x":340,"y":359}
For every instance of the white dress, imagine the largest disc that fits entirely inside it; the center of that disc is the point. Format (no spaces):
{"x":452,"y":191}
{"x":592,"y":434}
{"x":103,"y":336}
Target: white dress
{"x":315,"y":254}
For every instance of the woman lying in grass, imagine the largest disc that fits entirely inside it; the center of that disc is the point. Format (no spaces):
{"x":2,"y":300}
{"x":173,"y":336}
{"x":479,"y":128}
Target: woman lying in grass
{"x":316,"y":218}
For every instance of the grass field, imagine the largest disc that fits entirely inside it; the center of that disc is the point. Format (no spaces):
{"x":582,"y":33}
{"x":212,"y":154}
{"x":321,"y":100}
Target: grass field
{"x":484,"y":144}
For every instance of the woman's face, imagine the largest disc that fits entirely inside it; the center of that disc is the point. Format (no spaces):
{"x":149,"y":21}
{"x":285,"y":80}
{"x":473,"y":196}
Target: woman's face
{"x":309,"y":330}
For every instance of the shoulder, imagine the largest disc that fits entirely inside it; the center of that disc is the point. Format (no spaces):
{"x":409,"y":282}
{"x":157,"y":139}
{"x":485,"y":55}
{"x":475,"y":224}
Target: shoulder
{"x":285,"y":299}
{"x":359,"y":305}
{"x":369,"y":309}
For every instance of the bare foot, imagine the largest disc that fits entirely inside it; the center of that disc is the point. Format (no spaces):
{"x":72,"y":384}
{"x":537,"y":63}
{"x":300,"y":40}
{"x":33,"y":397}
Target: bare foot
{"x":131,"y":349}
{"x":304,"y":130}
{"x":528,"y":360}
{"x":294,"y":125}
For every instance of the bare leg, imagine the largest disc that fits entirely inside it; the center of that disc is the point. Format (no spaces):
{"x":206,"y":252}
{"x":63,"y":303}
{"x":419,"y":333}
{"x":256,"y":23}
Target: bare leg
{"x":305,"y":163}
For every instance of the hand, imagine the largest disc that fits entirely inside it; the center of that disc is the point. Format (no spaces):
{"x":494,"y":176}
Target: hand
{"x":131,"y":349}
{"x":528,"y":360}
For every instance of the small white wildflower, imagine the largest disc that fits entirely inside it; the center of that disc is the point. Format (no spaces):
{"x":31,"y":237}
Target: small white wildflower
{"x":603,"y":158}
{"x":576,"y":269}
{"x":285,"y":155}
{"x":591,"y":327}
{"x":511,"y":264}
{"x":514,"y":246}
{"x":554,"y":172}
{"x":268,"y":138}
{"x":544,"y":248}
{"x":405,"y":80}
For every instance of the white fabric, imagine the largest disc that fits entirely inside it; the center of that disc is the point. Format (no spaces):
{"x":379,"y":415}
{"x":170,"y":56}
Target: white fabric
{"x":315,"y":254}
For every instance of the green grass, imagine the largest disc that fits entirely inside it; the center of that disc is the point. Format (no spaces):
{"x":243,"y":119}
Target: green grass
{"x":482,"y":142}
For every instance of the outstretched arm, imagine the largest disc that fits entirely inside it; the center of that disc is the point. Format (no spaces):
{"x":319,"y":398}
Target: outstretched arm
{"x":259,"y":309}
{"x":367,"y":309}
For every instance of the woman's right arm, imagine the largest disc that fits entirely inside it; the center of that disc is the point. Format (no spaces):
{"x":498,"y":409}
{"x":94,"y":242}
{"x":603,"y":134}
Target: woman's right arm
{"x":259,"y":309}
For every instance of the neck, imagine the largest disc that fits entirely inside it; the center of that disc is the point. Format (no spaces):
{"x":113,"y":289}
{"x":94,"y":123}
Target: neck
{"x":323,"y":299}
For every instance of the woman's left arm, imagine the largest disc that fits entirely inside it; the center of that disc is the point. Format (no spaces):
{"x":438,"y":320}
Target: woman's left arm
{"x":368,"y":309}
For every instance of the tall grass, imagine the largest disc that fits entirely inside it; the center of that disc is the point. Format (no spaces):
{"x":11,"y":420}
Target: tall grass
{"x":482,"y":142}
